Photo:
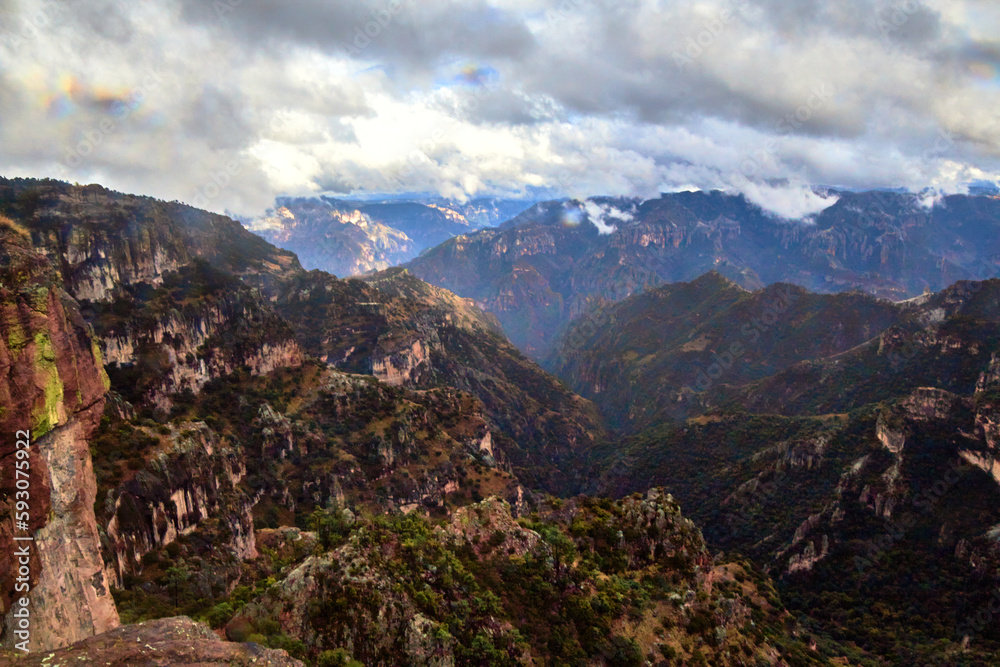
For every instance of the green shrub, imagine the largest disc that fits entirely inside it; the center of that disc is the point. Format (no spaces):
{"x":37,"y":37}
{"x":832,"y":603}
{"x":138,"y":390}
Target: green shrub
{"x":220,"y":614}
{"x":337,"y":658}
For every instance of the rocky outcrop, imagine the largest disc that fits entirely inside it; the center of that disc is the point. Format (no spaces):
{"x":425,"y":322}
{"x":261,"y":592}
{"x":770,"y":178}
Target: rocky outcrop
{"x":193,"y":478}
{"x":477,"y":525}
{"x":383,"y":626}
{"x":185,"y":304}
{"x":198,"y":326}
{"x":167,"y":641}
{"x":101,"y":242}
{"x":808,"y":553}
{"x":411,"y":334}
{"x":989,"y":380}
{"x":401,"y":366}
{"x":395,"y":458}
{"x":52,"y":386}
{"x":402,"y":591}
{"x":893,"y":428}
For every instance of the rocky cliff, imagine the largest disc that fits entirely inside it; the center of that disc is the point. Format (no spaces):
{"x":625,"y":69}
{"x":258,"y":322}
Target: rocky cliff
{"x":232,"y":472}
{"x":412,"y":334}
{"x":198,"y":324}
{"x":348,"y":238}
{"x":191,"y":478}
{"x":169,"y":641}
{"x":52,"y":388}
{"x":196,"y":296}
{"x":103,"y":242}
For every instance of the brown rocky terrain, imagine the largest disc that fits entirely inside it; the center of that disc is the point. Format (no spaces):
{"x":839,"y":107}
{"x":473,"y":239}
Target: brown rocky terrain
{"x":849,"y":474}
{"x":355,"y":469}
{"x":168,"y":641}
{"x":163,"y":480}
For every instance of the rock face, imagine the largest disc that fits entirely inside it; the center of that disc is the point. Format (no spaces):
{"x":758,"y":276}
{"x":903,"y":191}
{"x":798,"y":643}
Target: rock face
{"x":356,"y":442}
{"x":352,"y":238}
{"x":194,"y":296}
{"x":542,"y":269}
{"x":336,"y":239}
{"x":52,"y":384}
{"x":401,"y":366}
{"x":219,"y":422}
{"x":104,"y":242}
{"x":168,"y":641}
{"x":113,"y":253}
{"x":193,"y":478}
{"x":199,"y":324}
{"x":411,"y":334}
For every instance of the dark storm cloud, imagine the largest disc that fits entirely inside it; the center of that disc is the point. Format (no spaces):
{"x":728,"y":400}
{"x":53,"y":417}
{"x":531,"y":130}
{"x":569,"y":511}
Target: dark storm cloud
{"x":410,"y":35}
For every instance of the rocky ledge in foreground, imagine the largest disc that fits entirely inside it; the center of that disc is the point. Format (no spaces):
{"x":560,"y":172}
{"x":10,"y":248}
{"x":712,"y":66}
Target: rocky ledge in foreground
{"x":166,"y":641}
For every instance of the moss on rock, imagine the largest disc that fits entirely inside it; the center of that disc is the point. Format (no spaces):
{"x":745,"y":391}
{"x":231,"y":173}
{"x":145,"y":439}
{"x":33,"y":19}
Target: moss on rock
{"x":46,"y":417}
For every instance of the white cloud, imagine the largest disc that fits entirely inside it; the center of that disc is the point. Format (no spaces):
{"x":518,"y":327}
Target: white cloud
{"x":601,"y":216}
{"x":466,"y":97}
{"x":792,"y":202}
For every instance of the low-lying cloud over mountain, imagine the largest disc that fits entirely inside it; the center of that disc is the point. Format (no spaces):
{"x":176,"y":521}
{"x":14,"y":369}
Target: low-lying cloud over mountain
{"x":227,"y":104}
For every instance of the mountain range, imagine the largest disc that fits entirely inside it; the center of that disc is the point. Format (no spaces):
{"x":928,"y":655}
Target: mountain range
{"x":216,"y":432}
{"x":556,"y":260}
{"x":736,"y":467}
{"x":846,"y":444}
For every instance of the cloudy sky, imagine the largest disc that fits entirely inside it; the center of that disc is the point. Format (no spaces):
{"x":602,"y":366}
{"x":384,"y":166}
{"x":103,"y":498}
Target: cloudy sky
{"x":227,"y":103}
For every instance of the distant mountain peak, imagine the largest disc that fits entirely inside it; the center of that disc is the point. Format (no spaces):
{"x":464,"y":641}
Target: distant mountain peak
{"x":560,"y":255}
